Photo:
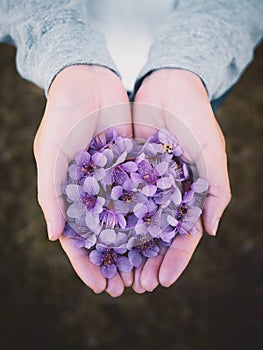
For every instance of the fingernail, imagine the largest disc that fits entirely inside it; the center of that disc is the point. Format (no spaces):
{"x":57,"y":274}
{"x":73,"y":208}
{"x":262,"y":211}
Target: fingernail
{"x":215,"y":227}
{"x":49,"y":230}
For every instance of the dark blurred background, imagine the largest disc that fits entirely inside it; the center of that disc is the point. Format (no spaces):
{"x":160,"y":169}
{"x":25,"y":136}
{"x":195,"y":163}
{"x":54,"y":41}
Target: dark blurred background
{"x":216,"y":304}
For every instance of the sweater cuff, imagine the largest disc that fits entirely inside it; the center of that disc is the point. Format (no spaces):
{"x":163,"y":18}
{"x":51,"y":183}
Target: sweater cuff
{"x":202,"y":44}
{"x":61,"y":46}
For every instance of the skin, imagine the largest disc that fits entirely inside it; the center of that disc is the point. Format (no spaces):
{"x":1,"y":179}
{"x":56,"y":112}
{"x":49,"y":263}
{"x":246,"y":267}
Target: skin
{"x":183,"y":98}
{"x":72,"y":116}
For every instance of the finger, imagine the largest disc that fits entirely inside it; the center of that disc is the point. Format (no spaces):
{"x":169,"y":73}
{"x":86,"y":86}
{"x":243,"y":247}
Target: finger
{"x":49,"y":193}
{"x":219,"y":192}
{"x":204,"y":146}
{"x":115,"y":286}
{"x":137,"y":287}
{"x":178,"y":256}
{"x":89,"y":273}
{"x":127,"y":278}
{"x":150,"y":274}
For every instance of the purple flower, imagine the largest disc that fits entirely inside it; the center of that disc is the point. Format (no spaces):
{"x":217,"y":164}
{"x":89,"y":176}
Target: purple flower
{"x":84,"y":199}
{"x":149,"y":219}
{"x":110,"y":260}
{"x":112,"y":219}
{"x":84,"y":240}
{"x":179,"y":170}
{"x":120,"y":173}
{"x":168,"y":142}
{"x":142,"y":246}
{"x":199,"y":186}
{"x":148,"y":175}
{"x":103,"y":140}
{"x":87,"y":165}
{"x":127,"y":196}
{"x":183,"y":223}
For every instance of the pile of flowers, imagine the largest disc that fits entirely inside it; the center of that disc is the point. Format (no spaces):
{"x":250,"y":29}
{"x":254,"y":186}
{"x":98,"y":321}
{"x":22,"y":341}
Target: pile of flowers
{"x":127,"y":198}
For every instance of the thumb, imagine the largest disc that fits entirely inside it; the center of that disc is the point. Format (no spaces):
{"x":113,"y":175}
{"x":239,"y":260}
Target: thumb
{"x":49,"y":184}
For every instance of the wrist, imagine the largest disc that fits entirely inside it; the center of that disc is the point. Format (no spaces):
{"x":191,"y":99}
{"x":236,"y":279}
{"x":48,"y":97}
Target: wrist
{"x":182,"y":80}
{"x":76,"y":74}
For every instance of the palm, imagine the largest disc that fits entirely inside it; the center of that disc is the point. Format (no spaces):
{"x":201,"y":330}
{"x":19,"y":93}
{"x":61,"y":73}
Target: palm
{"x":75,"y":112}
{"x":177,"y":100}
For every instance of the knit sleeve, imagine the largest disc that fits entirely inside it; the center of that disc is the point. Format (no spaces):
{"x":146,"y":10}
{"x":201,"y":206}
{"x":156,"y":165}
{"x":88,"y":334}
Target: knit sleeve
{"x":213,"y":39}
{"x":49,"y":36}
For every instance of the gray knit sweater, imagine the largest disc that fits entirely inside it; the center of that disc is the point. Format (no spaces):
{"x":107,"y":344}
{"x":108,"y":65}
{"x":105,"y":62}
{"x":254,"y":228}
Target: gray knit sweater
{"x":213,"y":39}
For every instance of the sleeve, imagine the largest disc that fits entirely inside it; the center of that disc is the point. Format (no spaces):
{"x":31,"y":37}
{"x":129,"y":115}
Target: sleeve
{"x":49,"y":36}
{"x":213,"y":39}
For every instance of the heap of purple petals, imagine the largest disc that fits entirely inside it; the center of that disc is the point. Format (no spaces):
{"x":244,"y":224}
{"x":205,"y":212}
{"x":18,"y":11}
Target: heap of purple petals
{"x":127,"y":198}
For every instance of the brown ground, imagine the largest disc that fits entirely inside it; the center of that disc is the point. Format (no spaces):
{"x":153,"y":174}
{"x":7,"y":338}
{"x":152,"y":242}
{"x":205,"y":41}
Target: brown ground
{"x":216,"y":304}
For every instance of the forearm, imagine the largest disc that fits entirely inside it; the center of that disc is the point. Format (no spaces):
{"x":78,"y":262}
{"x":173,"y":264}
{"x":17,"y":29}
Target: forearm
{"x":213,"y":39}
{"x":50,"y":36}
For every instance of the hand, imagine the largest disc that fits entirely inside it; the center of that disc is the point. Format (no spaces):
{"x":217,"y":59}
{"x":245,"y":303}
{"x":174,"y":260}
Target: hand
{"x":73,"y":115}
{"x":183,"y":107}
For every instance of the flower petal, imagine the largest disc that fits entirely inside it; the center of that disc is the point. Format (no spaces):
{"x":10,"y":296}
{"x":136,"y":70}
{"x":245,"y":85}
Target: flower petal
{"x":164,"y":183}
{"x":121,"y":158}
{"x":120,"y":238}
{"x":91,"y":186}
{"x":150,"y":149}
{"x":108,"y":271}
{"x":121,"y":207}
{"x":130,"y":166}
{"x":151,"y":207}
{"x":131,"y":221}
{"x":73,"y":171}
{"x":164,"y":136}
{"x":176,"y":196}
{"x":140,"y":228}
{"x":109,"y":155}
{"x":99,"y":205}
{"x":121,"y":220}
{"x":128,"y":144}
{"x":149,"y":190}
{"x":188,"y":196}
{"x":82,"y":157}
{"x":154,"y":230}
{"x":193,"y":214}
{"x":68,"y":231}
{"x":172,"y":221}
{"x":99,"y":159}
{"x":92,"y":221}
{"x":95,"y":257}
{"x":130,"y":185}
{"x":75,"y":210}
{"x":149,"y":253}
{"x":116,"y":192}
{"x":74,"y":192}
{"x":167,"y":236}
{"x":177,"y":151}
{"x":124,"y":264}
{"x":140,"y":210}
{"x":186,"y":172}
{"x":107,"y":179}
{"x":90,"y":241}
{"x":135,"y":258}
{"x":99,"y":174}
{"x":162,"y":168}
{"x":137,"y":177}
{"x":107,"y":236}
{"x":200,"y":185}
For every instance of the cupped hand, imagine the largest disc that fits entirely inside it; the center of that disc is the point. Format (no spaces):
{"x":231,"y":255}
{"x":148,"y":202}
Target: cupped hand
{"x":74,"y":114}
{"x":177,"y":100}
